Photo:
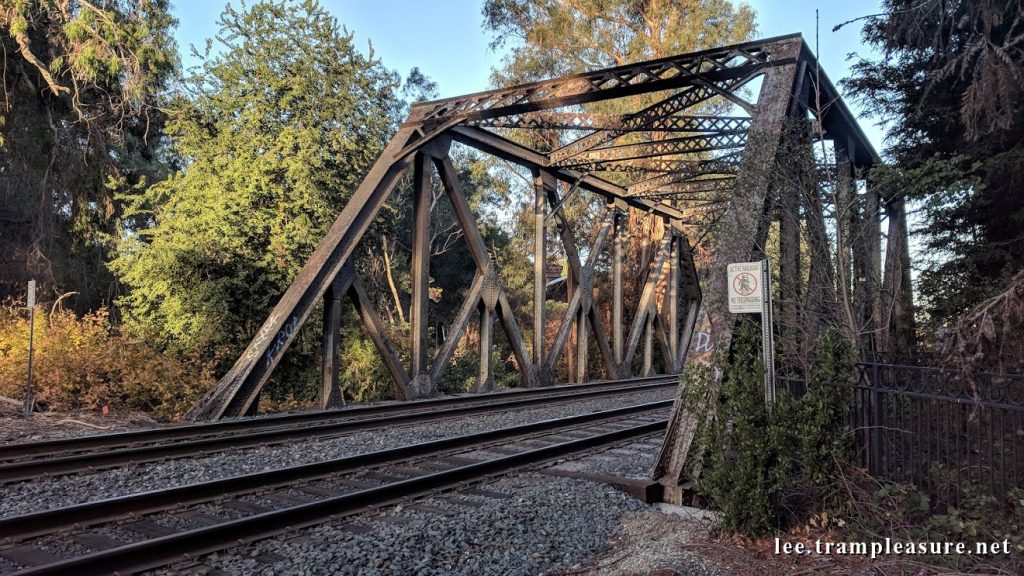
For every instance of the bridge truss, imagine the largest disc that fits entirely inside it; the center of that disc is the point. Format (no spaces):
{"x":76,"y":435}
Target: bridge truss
{"x":674,"y":157}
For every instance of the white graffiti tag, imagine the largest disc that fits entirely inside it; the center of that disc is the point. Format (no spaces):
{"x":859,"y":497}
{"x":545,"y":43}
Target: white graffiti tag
{"x":252,"y":352}
{"x":286,"y":332}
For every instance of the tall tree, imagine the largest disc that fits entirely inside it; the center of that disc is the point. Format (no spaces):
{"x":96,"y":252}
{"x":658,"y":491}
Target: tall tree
{"x":79,"y":123}
{"x":274,"y":132}
{"x":951,"y":80}
{"x":558,"y":37}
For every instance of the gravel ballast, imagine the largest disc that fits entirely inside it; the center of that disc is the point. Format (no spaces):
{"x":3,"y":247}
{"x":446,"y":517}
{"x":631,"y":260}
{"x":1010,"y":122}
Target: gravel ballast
{"x":46,"y":493}
{"x":542,"y":524}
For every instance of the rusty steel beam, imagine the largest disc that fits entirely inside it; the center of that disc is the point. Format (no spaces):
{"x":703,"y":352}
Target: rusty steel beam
{"x":701,"y":169}
{"x":548,"y":120}
{"x":715,"y":64}
{"x":661,"y":166}
{"x":620,"y":222}
{"x":577,"y":313}
{"x":422,"y":198}
{"x":707,"y":189}
{"x":490,"y":283}
{"x":528,"y":158}
{"x":543,"y":182}
{"x":647,"y":296}
{"x":374,"y":328}
{"x":330,"y":391}
{"x":656,"y":148}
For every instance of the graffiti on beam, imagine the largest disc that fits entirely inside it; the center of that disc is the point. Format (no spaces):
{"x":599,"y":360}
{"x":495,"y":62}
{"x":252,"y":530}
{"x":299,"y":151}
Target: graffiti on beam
{"x":702,"y":346}
{"x":264,"y":334}
{"x":282,"y":338}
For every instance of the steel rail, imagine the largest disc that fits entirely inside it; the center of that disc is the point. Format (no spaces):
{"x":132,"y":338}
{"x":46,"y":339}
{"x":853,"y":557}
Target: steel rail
{"x":90,"y":461}
{"x":18,"y":528}
{"x":120,"y":439}
{"x":164,"y":550}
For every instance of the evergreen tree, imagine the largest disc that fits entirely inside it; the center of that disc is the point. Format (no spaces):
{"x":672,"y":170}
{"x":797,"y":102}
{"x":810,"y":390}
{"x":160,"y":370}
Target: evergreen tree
{"x":79,"y":123}
{"x":950,"y":80}
{"x":274,"y":132}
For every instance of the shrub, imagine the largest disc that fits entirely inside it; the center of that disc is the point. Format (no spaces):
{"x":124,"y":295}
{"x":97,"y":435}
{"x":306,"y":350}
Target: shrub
{"x":82,"y":363}
{"x":765,"y":468}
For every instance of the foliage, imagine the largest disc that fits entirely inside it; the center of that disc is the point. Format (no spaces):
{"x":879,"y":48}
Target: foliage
{"x":986,"y":337}
{"x":558,"y":37}
{"x":361,"y":369}
{"x":276,"y":131}
{"x":79,"y":123}
{"x":765,"y":469}
{"x":83,"y":363}
{"x":880,"y":509}
{"x":950,"y":81}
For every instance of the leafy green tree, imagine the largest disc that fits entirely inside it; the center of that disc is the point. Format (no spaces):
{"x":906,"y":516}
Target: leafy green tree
{"x":558,"y":37}
{"x":950,"y":80}
{"x":274,"y":133}
{"x":79,"y":123}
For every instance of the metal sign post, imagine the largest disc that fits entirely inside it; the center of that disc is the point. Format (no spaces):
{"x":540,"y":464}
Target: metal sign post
{"x":767,"y":334}
{"x":750,"y":292}
{"x":31,"y":301}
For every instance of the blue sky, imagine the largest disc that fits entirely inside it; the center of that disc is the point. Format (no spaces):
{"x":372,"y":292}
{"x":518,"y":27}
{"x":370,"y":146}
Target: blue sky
{"x":446,"y":40}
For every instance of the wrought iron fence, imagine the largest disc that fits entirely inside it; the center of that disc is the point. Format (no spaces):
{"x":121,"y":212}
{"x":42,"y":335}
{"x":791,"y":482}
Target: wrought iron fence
{"x":937,"y":428}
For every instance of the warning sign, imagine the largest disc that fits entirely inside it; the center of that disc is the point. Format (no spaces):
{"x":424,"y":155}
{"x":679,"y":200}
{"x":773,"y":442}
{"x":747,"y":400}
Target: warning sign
{"x":746,"y":290}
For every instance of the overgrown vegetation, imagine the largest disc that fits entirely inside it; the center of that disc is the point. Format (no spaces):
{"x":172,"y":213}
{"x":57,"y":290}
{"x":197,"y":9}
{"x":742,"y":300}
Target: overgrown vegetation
{"x":83,"y":362}
{"x":81,"y":119}
{"x":791,"y":469}
{"x":766,"y":469}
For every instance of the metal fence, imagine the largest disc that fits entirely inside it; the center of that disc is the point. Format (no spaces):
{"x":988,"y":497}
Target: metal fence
{"x":946,"y":432}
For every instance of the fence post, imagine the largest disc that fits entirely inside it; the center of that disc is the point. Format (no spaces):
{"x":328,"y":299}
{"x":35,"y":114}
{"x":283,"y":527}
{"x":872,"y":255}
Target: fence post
{"x":875,"y":423}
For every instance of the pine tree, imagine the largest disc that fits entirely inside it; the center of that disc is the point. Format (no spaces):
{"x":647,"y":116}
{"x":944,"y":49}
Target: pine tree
{"x":273,"y":132}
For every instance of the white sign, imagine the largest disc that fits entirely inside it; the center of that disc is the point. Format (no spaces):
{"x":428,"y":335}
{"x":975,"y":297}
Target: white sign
{"x":746,"y":288}
{"x":31,"y":294}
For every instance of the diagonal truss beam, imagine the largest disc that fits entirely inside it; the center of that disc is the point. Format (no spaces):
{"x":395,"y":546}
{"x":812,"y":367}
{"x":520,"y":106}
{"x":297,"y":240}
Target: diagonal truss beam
{"x":580,"y":307}
{"x":485,"y":268}
{"x":236,"y":392}
{"x":647,"y":296}
{"x":528,"y":158}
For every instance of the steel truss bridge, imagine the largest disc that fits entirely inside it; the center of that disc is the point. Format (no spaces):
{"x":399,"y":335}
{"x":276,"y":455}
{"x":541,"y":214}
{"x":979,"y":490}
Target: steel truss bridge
{"x":671,"y":157}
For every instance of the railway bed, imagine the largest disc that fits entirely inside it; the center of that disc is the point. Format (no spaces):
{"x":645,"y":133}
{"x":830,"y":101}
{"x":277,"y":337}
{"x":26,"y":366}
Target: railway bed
{"x":145,"y":531}
{"x":20,"y":462}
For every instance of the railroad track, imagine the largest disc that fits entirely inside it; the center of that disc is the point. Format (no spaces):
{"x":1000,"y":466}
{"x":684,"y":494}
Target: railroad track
{"x":20,"y":462}
{"x":152,"y":529}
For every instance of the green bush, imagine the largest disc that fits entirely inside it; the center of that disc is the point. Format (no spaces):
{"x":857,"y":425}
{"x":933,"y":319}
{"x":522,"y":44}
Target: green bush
{"x":766,"y":468}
